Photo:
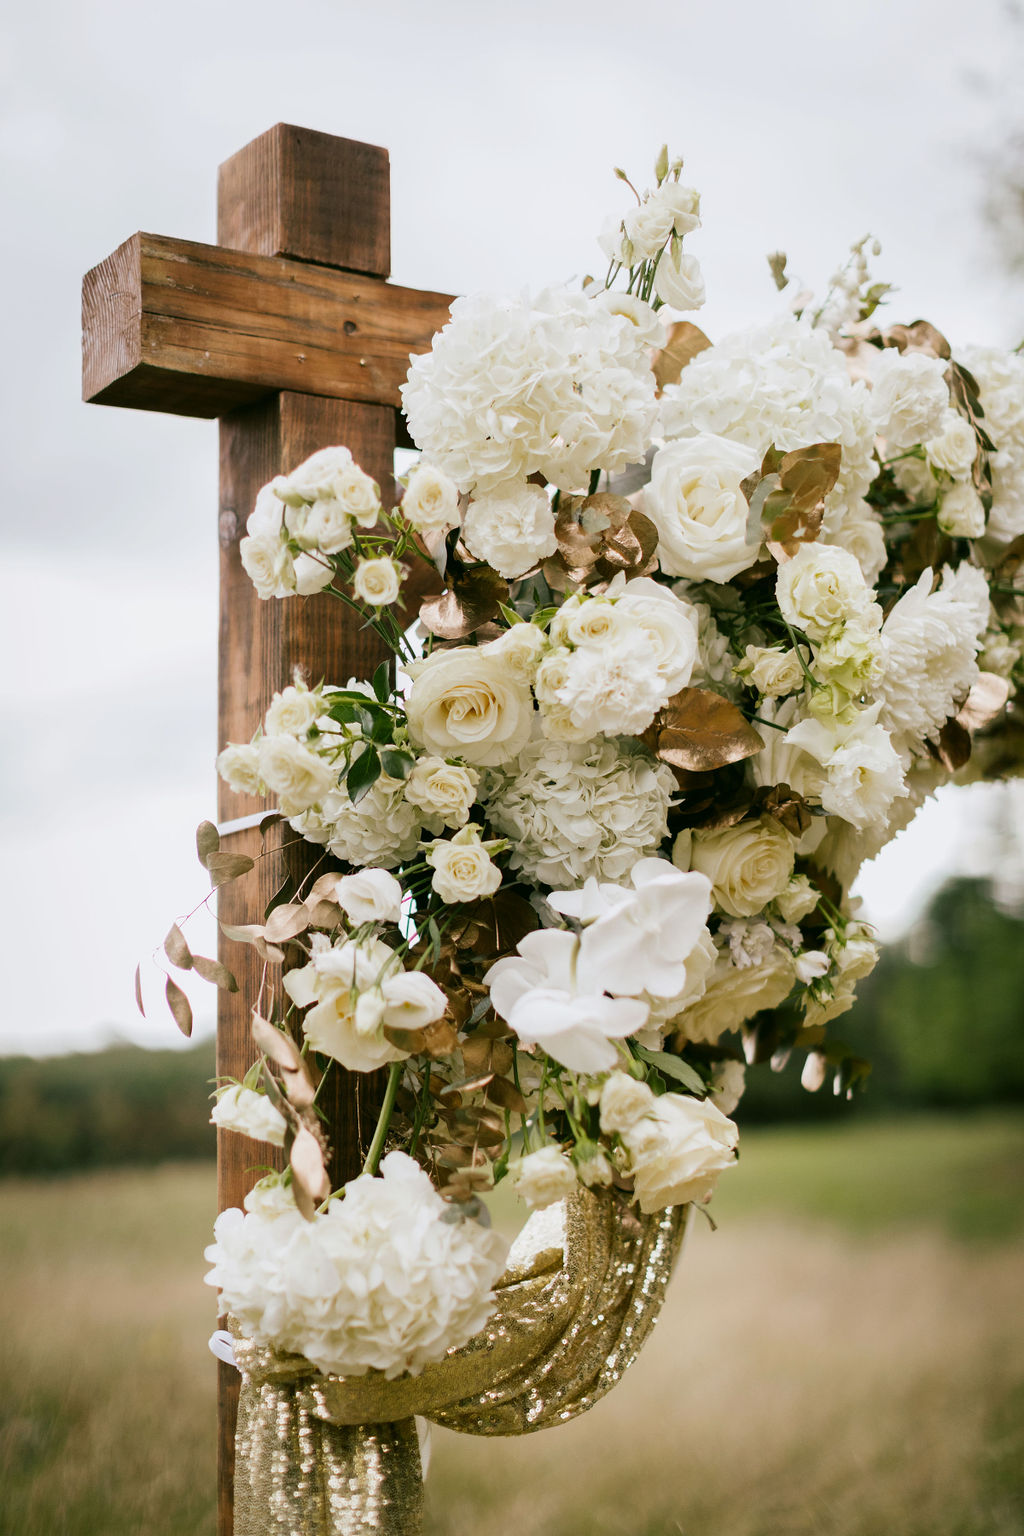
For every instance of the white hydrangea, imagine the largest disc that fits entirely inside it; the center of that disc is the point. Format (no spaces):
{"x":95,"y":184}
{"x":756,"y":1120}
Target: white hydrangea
{"x":781,"y":384}
{"x":909,"y":396}
{"x":381,"y":829}
{"x":380,"y":1280}
{"x":930,"y":643}
{"x":572,"y":810}
{"x":1000,"y":377}
{"x":555,"y":384}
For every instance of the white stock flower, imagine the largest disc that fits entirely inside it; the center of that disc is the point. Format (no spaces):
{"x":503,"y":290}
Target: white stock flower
{"x":678,"y":1150}
{"x":252,"y":1113}
{"x":467,"y":704}
{"x":821,"y":586}
{"x":863,"y":771}
{"x":369,"y":896}
{"x":462,"y":867}
{"x":377,"y":581}
{"x":961,"y":513}
{"x":954,"y":446}
{"x":444,"y":792}
{"x":572,"y":810}
{"x":679,"y":281}
{"x":431,"y":500}
{"x":298,"y":777}
{"x":380,"y":1280}
{"x":549,"y":998}
{"x":511,"y":527}
{"x":554,"y":383}
{"x":1000,"y":377}
{"x":748,"y":865}
{"x":695,"y":502}
{"x":909,"y":396}
{"x":542,"y":1177}
{"x":239,"y":767}
{"x":639,"y":940}
{"x":930,"y":643}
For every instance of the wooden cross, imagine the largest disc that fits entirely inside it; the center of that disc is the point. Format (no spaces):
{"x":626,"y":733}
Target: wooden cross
{"x":288,"y":331}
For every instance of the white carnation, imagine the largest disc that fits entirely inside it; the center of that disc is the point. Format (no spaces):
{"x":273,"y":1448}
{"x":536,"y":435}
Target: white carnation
{"x":555,"y":384}
{"x":575,"y":810}
{"x":863,"y":771}
{"x":511,"y":527}
{"x":380,"y":1280}
{"x":930,"y":642}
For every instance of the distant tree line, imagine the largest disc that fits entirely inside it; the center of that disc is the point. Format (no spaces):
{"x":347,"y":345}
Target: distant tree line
{"x":941,"y":1018}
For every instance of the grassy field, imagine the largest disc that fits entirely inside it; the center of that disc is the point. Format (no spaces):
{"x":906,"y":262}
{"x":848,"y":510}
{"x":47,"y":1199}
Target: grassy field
{"x":845,"y":1356}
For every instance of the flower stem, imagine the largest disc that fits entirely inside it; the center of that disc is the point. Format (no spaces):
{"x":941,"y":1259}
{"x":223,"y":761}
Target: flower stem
{"x":384,"y":1119}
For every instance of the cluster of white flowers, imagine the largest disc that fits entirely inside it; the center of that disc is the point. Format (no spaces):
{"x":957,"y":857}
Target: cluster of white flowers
{"x":675,"y":1146}
{"x":379,"y":1280}
{"x":301,"y":519}
{"x":931,"y":640}
{"x":557,"y":384}
{"x":1000,"y":378}
{"x":576,"y":810}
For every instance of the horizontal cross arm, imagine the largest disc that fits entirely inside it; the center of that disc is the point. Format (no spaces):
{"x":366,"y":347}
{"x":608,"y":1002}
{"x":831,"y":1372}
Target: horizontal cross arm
{"x":196,"y":330}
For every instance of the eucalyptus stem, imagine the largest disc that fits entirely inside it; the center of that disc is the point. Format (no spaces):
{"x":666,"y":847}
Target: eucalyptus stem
{"x":384,"y":1118}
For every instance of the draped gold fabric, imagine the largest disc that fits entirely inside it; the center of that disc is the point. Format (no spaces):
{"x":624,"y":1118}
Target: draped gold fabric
{"x":338,"y":1456}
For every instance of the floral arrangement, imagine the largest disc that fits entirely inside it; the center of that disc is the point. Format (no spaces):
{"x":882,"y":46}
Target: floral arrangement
{"x":716,"y":618}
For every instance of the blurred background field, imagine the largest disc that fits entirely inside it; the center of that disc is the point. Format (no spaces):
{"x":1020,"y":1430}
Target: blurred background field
{"x":845,"y":1354}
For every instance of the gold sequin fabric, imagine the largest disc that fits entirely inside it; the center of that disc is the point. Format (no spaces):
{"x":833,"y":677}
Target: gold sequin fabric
{"x":337,"y":1456}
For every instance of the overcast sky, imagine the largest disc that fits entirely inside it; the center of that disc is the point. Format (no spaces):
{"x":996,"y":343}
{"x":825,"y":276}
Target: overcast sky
{"x":805,"y":124}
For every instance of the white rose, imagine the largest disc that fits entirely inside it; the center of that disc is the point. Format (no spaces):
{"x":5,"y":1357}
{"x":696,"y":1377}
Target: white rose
{"x":369,"y":896}
{"x":678,"y":280}
{"x":314,"y":477}
{"x":797,"y":901}
{"x":909,"y":395}
{"x":292,"y":712}
{"x":735,"y":993}
{"x":624,"y":1101}
{"x":245,"y":1110}
{"x":358,"y":494}
{"x":520,"y":649}
{"x":431,"y":500}
{"x":819,"y":587}
{"x":593,"y":1168}
{"x":585,"y":620}
{"x":445,"y":791}
{"x":324,"y":526}
{"x":648,"y":226}
{"x":511,"y":527}
{"x":377,"y":581}
{"x":467,"y":704}
{"x":540,"y":1178}
{"x":771,"y":670}
{"x":961,"y":512}
{"x":312,"y":574}
{"x":298,"y":777}
{"x":748,"y":865}
{"x":462,"y":867}
{"x":954,"y":447}
{"x":268,"y":565}
{"x":239,"y":767}
{"x":640,"y":315}
{"x":678,"y":1151}
{"x":669,"y":626}
{"x":695,"y":502}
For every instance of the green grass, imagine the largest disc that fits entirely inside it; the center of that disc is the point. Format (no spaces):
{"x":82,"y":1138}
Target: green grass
{"x":844,"y":1356}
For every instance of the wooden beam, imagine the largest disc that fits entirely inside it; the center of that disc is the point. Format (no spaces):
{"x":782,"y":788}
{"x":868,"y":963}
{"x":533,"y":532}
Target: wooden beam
{"x":197,"y":330}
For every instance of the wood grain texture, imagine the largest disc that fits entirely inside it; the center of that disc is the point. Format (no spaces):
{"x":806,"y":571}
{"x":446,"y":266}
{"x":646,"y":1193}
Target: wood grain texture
{"x":196,"y":330}
{"x":311,"y":196}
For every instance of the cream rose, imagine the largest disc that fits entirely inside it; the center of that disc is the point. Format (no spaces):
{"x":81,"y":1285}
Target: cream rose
{"x":298,"y":777}
{"x":239,"y":767}
{"x":748,"y":865}
{"x":695,"y":502}
{"x":268,"y":565}
{"x":369,"y":896}
{"x":511,"y":527}
{"x":431,"y":500}
{"x":954,"y":447}
{"x":377,"y":582}
{"x":462,"y":867}
{"x":315,"y":476}
{"x":292,"y":712}
{"x":540,"y":1178}
{"x":771,"y":670}
{"x":624,"y":1101}
{"x":445,"y":791}
{"x":961,"y":512}
{"x":324,"y":525}
{"x":734,"y":994}
{"x":678,"y":1150}
{"x":819,"y":587}
{"x":467,"y":704}
{"x":358,"y":494}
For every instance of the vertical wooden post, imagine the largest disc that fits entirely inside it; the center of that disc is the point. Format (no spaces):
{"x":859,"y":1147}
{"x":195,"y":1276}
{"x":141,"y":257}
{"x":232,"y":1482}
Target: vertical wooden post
{"x":311,"y":197}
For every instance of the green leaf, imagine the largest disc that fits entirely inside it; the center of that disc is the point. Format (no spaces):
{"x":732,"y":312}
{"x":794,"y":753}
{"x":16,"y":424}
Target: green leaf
{"x":382,"y":682}
{"x":363,"y":774}
{"x":397,"y":765}
{"x":509,"y":615}
{"x":673,"y":1066}
{"x":381,"y":728}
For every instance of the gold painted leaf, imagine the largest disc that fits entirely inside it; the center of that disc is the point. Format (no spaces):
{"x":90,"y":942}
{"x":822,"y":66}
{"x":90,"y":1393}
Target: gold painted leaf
{"x":324,"y":914}
{"x":986,"y":700}
{"x":275,"y":1044}
{"x":286,"y":922}
{"x":213,"y":971}
{"x":473,"y":599}
{"x":176,"y":949}
{"x":207,"y":841}
{"x":435,"y":1040}
{"x":225,"y":867}
{"x":700,"y":731}
{"x":309,"y":1176}
{"x":953,"y":747}
{"x":685,"y":342}
{"x":179,"y":1005}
